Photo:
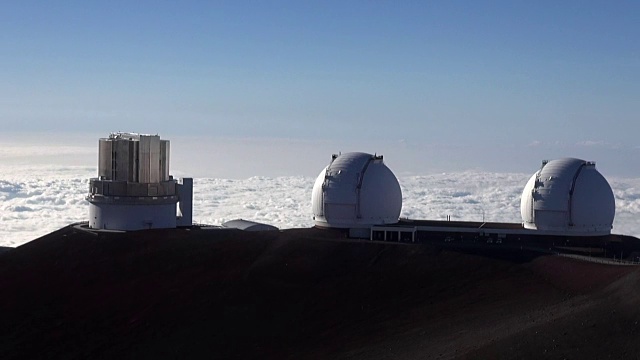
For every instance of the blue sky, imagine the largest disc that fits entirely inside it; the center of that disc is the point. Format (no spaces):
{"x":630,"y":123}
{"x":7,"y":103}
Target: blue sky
{"x":495,"y":85}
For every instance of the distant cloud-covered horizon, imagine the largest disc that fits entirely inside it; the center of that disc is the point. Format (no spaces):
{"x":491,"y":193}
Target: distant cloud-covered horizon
{"x":38,"y":199}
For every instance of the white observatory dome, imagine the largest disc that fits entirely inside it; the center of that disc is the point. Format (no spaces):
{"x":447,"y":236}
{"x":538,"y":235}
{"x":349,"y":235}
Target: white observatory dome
{"x":356,"y":190}
{"x":569,"y":196}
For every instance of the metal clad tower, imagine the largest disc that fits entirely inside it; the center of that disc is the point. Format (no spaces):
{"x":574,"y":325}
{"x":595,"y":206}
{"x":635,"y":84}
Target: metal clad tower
{"x":569,"y":196}
{"x":134,"y":190}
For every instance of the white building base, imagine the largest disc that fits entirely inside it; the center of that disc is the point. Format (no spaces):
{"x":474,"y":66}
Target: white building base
{"x":120,"y":216}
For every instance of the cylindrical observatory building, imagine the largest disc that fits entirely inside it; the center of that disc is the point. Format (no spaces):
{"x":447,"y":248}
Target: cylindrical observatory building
{"x":133,"y":190}
{"x":356,"y":191}
{"x":570,"y":197}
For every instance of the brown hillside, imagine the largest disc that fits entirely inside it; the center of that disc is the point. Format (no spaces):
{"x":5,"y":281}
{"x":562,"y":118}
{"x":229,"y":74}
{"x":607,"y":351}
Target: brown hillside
{"x":304,"y":294}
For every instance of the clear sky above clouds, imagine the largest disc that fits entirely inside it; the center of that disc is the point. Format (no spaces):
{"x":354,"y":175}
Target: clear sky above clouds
{"x":434,"y":85}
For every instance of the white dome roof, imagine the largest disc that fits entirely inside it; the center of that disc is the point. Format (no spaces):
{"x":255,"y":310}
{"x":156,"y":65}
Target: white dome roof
{"x":568,"y":195}
{"x":248,"y":225}
{"x":356,"y":190}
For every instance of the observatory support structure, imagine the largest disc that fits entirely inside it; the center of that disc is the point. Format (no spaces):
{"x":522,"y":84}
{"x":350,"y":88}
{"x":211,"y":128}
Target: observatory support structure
{"x":185,"y":202}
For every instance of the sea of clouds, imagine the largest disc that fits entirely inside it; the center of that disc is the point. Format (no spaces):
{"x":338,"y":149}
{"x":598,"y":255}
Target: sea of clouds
{"x":38,"y":199}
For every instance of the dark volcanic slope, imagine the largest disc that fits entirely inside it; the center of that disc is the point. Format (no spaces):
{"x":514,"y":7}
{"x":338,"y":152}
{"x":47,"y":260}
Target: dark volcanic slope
{"x":300,"y":294}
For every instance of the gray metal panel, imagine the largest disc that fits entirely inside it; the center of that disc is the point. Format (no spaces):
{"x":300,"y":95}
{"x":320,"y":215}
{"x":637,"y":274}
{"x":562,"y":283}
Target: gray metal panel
{"x":132,"y":189}
{"x":144,"y":160}
{"x":154,"y":159}
{"x":131,"y":161}
{"x":121,"y":153}
{"x":104,"y":158}
{"x":164,"y":160}
{"x":135,"y":154}
{"x":117,"y":188}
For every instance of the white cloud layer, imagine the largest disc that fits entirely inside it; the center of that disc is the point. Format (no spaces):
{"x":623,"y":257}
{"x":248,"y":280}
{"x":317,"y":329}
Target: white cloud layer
{"x":38,"y":199}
